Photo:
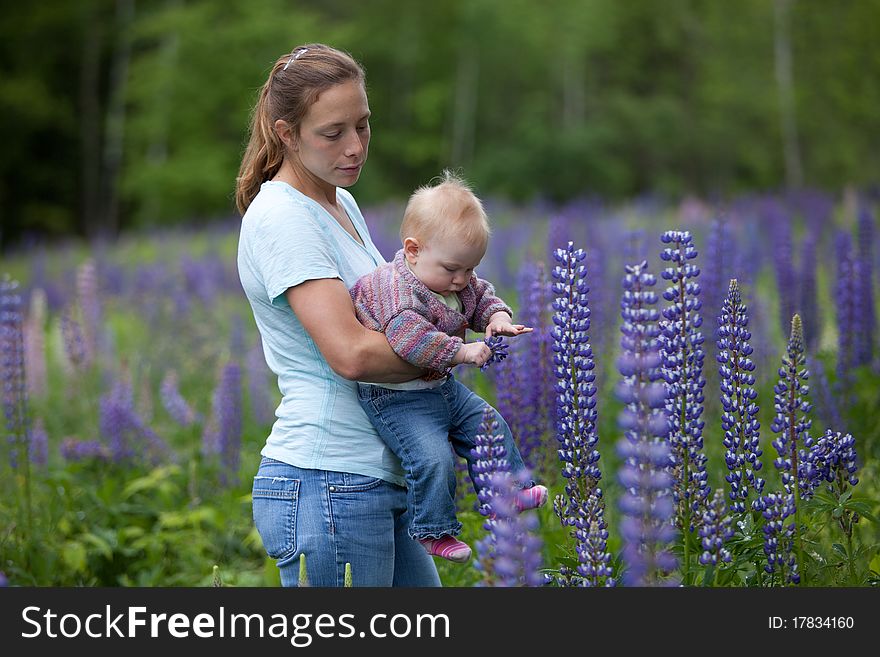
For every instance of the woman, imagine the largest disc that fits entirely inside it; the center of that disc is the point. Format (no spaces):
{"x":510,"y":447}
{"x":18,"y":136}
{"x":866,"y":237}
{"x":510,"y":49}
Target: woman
{"x":327,"y":485}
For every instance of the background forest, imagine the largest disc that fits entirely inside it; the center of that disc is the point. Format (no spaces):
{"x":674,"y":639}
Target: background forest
{"x":133,"y":113}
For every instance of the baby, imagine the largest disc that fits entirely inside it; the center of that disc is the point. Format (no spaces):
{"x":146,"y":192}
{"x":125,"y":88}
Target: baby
{"x":423,"y":301}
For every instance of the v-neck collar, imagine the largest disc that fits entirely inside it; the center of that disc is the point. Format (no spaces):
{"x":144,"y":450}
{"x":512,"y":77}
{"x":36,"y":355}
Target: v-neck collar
{"x":362,"y":244}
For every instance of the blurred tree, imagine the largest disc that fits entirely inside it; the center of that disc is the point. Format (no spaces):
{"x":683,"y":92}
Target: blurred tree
{"x":119,"y":113}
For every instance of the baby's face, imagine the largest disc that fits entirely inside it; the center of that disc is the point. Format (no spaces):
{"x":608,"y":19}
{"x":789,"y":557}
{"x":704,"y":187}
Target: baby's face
{"x":443,"y":265}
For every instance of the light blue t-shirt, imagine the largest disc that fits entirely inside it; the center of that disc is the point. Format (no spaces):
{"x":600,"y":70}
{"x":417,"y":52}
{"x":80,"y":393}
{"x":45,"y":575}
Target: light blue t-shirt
{"x":286,"y":239}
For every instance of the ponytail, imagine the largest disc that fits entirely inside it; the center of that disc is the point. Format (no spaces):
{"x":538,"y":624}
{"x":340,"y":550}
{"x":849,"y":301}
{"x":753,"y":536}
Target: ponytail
{"x":263,"y":156}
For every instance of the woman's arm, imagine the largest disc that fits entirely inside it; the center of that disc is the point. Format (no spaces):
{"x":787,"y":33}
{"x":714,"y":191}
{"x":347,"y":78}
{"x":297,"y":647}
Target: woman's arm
{"x":354,"y":352}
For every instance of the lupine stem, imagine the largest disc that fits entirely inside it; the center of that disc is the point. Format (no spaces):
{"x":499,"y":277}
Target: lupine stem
{"x":792,"y":424}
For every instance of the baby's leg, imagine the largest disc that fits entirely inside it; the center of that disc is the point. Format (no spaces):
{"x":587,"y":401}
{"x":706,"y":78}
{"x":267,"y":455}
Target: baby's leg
{"x":415,"y":426}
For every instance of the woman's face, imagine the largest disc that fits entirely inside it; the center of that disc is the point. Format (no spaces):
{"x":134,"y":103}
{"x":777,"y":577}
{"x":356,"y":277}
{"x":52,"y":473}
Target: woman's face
{"x":335,"y":134}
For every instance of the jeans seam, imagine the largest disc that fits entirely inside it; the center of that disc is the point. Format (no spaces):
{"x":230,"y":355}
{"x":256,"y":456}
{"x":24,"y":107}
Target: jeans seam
{"x":402,"y":448}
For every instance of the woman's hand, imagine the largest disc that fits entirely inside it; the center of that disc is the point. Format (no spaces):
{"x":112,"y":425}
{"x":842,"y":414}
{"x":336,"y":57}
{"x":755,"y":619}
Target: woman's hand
{"x":325,"y":309}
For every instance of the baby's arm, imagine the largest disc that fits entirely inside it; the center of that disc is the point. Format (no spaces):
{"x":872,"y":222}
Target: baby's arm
{"x":501,"y":324}
{"x":491,"y":314}
{"x":417,"y":341}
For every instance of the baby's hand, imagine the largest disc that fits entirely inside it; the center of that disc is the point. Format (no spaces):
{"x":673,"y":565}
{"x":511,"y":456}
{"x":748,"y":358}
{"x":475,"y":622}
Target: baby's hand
{"x":472,"y":353}
{"x":500,"y":324}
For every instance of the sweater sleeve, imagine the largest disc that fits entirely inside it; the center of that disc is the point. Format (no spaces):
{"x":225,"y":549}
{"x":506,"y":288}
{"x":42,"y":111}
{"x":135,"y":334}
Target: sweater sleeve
{"x":417,"y":341}
{"x":487,"y":304}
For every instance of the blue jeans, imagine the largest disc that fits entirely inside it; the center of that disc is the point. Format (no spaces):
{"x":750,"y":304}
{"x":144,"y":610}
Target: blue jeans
{"x":334,"y":518}
{"x":418,"y":426}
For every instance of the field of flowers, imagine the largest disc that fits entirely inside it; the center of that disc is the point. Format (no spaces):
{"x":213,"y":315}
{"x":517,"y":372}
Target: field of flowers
{"x":701,"y":394}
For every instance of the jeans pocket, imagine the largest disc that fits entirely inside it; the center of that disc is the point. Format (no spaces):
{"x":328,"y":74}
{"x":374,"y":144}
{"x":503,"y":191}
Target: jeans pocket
{"x":348,"y":482}
{"x":274,"y":507}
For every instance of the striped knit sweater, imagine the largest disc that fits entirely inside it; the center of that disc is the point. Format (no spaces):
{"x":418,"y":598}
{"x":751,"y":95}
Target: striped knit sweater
{"x":420,"y":328}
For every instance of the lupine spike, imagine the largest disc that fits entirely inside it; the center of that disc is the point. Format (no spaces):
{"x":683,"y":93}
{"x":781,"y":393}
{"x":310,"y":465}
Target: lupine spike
{"x":222,"y":436}
{"x":173,"y":402}
{"x":524,"y":382}
{"x":779,"y":537}
{"x":682,"y":352}
{"x":845,"y":301}
{"x":582,"y":506}
{"x":792,"y":425}
{"x":646,"y":502}
{"x":792,"y":406}
{"x":346,"y":582}
{"x":739,"y":418}
{"x":12,"y":374}
{"x":715,"y":531}
{"x":831,"y":461}
{"x":510,"y":554}
{"x":808,"y":305}
{"x":866,"y":313}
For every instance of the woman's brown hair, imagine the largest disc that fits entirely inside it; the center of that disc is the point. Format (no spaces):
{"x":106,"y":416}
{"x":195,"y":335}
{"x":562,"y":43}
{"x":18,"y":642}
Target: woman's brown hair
{"x":293,"y":86}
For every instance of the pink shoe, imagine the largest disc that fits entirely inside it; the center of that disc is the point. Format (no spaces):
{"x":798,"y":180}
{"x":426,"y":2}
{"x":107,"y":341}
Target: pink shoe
{"x":447,"y":547}
{"x":531,"y":498}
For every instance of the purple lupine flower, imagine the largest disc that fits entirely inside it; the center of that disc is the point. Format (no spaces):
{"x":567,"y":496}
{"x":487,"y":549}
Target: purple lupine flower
{"x":200,"y":278}
{"x":739,"y":418}
{"x":832,"y":460}
{"x":12,"y":374}
{"x":829,"y":411}
{"x":174,"y":403}
{"x":721,"y":252}
{"x":603,"y":304}
{"x":35,"y":344}
{"x":510,"y":554}
{"x":715,"y":530}
{"x":74,"y":342}
{"x":808,"y":307}
{"x":779,"y":537}
{"x":591,"y":533}
{"x":4,"y":581}
{"x":236,"y":336}
{"x":582,"y":506}
{"x":75,"y":450}
{"x":499,"y":349}
{"x":641,"y":390}
{"x":124,"y":430}
{"x":225,"y":430}
{"x":646,"y":502}
{"x":780,"y":225}
{"x":792,"y":424}
{"x":39,"y":447}
{"x":845,"y":301}
{"x":525,"y":381}
{"x":116,"y":409}
{"x":647,"y":526}
{"x":259,"y":384}
{"x":865,"y":311}
{"x":792,"y":406}
{"x":88,"y":299}
{"x":682,"y":353}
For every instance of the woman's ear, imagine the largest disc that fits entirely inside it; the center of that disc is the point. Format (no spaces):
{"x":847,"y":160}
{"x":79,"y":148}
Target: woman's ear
{"x":411,"y":248}
{"x":286,"y":134}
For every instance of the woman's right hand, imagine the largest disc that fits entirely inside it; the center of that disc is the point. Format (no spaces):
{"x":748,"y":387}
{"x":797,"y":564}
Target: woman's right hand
{"x":472,"y":353}
{"x":354,"y":352}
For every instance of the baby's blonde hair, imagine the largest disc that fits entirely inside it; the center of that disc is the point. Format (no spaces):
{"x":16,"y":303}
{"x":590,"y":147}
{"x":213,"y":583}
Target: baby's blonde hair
{"x":446,"y":209}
